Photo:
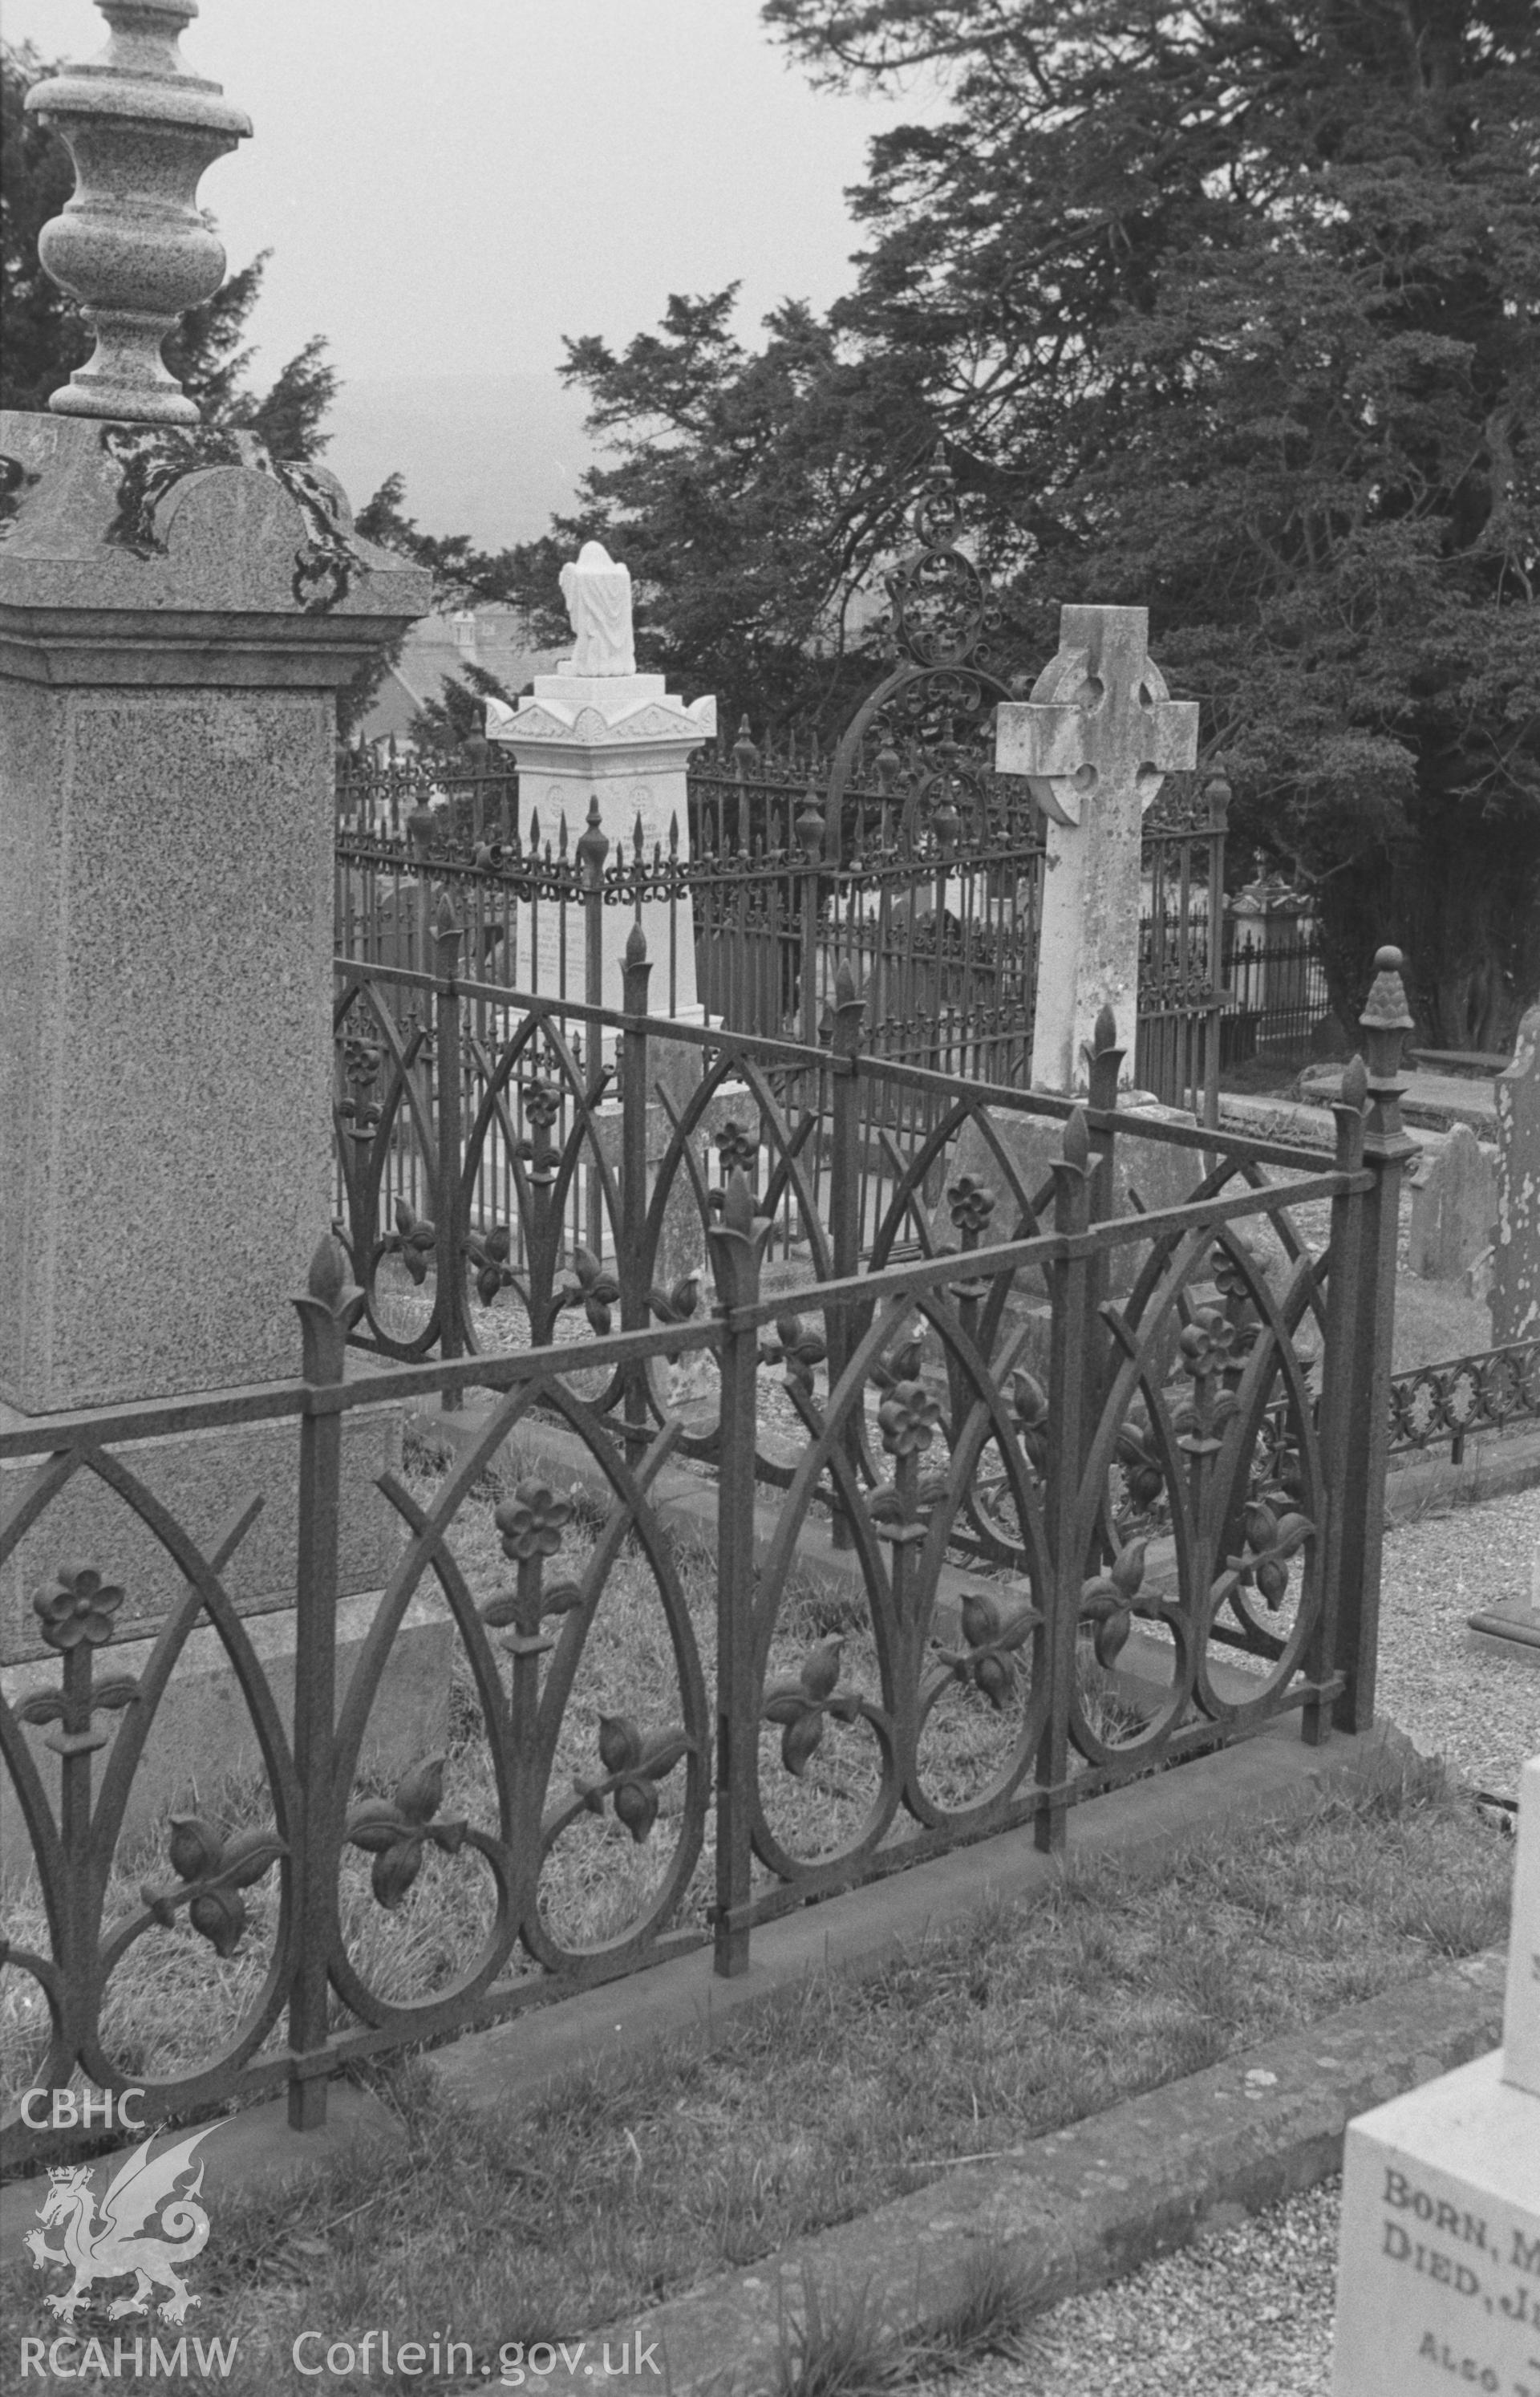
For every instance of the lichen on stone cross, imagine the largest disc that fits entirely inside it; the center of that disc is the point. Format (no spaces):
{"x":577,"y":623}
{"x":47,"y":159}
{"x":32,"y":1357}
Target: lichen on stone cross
{"x":1098,"y":718}
{"x":596,"y":593}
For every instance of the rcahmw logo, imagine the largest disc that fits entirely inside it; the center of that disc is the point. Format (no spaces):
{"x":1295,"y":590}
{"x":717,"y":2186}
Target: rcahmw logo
{"x":146,"y":2227}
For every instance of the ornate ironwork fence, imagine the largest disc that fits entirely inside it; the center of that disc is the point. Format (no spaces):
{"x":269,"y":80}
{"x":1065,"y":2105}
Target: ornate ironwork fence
{"x":1156,"y":1444}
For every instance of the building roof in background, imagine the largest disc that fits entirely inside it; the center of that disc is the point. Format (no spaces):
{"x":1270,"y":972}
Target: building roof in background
{"x":436,"y":649}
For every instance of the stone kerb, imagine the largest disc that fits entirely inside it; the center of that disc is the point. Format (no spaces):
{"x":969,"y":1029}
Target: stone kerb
{"x":1516,"y":1251}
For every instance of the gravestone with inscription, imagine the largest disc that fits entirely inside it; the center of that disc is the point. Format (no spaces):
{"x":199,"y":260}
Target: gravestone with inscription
{"x":1439,"y":2261}
{"x":1515,"y":1250}
{"x":597,"y":729}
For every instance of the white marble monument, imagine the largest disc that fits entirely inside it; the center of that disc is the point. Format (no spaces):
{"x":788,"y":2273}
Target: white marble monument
{"x":1439,"y":2259}
{"x":598,"y":728}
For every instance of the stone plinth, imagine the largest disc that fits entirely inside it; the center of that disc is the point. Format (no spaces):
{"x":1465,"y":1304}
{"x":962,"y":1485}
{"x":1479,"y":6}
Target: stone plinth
{"x":177,"y":613}
{"x":1516,"y":1251}
{"x":1096,"y":740}
{"x":173,"y":625}
{"x":1439,"y":2263}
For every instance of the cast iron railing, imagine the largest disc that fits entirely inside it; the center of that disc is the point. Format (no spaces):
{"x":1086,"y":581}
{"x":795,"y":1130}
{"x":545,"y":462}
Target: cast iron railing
{"x":1155,"y":1441}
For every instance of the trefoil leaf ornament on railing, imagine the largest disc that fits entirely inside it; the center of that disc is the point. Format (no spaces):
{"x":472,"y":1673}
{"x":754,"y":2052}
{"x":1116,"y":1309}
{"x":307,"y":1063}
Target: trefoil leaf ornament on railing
{"x":413,"y":1240}
{"x":588,"y":1286}
{"x":213,"y":1871}
{"x":488,"y":1252}
{"x":796,"y":1348}
{"x":1110,"y":1601}
{"x":634,"y":1764}
{"x":394,"y":1831}
{"x":992,"y":1636}
{"x":801,"y":1702}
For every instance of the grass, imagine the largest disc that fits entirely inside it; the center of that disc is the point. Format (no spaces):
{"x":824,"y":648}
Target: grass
{"x":173,"y":2003}
{"x":625,"y":2186}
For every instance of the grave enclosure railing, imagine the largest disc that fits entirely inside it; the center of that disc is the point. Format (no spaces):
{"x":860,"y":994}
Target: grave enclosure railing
{"x":1153,"y":1442}
{"x":935,"y":909}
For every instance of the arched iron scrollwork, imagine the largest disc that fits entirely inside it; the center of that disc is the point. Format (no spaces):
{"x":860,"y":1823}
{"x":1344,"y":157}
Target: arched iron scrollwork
{"x":931,"y":713}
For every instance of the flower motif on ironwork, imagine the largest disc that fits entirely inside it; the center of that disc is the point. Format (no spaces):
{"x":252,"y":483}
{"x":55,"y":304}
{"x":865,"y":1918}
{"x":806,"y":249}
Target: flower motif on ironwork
{"x":394,"y":1831}
{"x":532,"y":1520}
{"x":907,"y":1418}
{"x":801,"y":1701}
{"x":1111,"y":1601}
{"x":1206,"y":1342}
{"x":80,"y":1606}
{"x":541,"y":1105}
{"x":213,"y":1871}
{"x":993,"y":1637}
{"x":634,"y":1765}
{"x":736,"y":1148}
{"x":588,"y":1286}
{"x":971,"y":1203}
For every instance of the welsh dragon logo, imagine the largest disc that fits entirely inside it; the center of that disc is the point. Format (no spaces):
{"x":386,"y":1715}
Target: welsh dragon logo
{"x":121,"y":2241}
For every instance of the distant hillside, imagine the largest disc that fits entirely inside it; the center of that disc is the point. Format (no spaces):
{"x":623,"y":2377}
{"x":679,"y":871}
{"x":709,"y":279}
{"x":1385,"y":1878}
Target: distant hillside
{"x":492,"y":455}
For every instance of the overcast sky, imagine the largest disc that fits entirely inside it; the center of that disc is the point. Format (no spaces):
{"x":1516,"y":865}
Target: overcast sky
{"x":448,"y":186}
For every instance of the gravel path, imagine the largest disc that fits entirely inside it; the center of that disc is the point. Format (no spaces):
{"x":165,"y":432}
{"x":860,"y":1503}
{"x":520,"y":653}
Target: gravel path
{"x":1474,"y":1708}
{"x":1243,"y":2312}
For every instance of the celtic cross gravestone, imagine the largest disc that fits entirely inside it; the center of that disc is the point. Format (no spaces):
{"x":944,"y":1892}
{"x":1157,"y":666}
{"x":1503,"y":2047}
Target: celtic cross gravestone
{"x":1095,"y":739}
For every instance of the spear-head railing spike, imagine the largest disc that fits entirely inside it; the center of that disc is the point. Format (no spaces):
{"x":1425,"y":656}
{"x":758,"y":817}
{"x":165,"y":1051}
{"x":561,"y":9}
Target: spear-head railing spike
{"x":1355,"y":1083}
{"x":329,"y":1273}
{"x":635,"y":947}
{"x":445,"y":922}
{"x":1075,"y":1148}
{"x":1216,"y":790}
{"x":1105,"y":1030}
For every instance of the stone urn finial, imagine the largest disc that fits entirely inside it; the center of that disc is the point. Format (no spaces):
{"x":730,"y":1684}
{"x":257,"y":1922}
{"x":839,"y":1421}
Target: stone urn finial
{"x":132,"y":246}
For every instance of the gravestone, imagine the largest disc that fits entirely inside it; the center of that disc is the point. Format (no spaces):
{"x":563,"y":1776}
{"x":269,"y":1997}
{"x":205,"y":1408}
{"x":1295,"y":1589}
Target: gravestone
{"x":1515,"y":1250}
{"x":177,"y":613}
{"x":1096,"y":740}
{"x":1438,"y":2257}
{"x":597,"y":729}
{"x":1453,"y":1207}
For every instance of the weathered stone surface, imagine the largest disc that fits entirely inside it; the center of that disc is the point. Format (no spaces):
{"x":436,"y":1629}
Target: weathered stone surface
{"x":1454,"y":1206}
{"x":1521,"y":2009}
{"x":1439,"y":2263}
{"x":1516,"y":1253}
{"x":137,"y":119}
{"x":1096,"y":739}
